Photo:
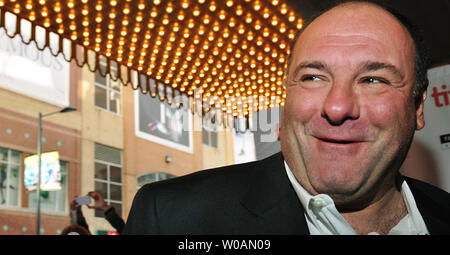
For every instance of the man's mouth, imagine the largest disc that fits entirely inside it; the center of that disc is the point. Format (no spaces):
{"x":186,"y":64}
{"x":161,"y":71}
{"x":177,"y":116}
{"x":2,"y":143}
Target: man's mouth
{"x":337,"y":141}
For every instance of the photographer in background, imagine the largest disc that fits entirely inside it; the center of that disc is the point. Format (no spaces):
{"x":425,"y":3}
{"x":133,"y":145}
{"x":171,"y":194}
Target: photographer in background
{"x":111,"y":215}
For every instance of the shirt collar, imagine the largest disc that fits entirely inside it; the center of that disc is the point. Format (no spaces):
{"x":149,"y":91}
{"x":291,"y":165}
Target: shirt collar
{"x":412,"y":223}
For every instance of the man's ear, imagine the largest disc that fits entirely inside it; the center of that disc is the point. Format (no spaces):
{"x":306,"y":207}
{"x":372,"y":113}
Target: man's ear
{"x":420,"y":122}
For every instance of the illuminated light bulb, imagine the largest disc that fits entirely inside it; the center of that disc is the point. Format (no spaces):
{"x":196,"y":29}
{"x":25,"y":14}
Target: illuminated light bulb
{"x":176,"y":27}
{"x":72,"y":26}
{"x":282,"y":28}
{"x":72,"y":14}
{"x":282,"y":45}
{"x":156,"y":2}
{"x":112,"y":14}
{"x":169,"y":8}
{"x":180,"y":16}
{"x":216,"y":27}
{"x":98,"y":19}
{"x":266,"y":13}
{"x":252,"y":51}
{"x":139,"y":17}
{"x":232,"y":22}
{"x":275,"y":39}
{"x":222,"y":15}
{"x":244,"y":45}
{"x":70,"y":4}
{"x":239,"y":10}
{"x":299,"y":24}
{"x":73,"y":37}
{"x":60,"y":30}
{"x":85,"y":22}
{"x":196,"y":40}
{"x":201,"y":30}
{"x":241,"y":29}
{"x":229,"y":3}
{"x":44,"y":12}
{"x":206,"y":19}
{"x":151,"y":24}
{"x":154,"y":12}
{"x":291,"y":34}
{"x":212,"y":6}
{"x":47,"y":23}
{"x":191,"y":23}
{"x":165,"y":20}
{"x":141,"y":6}
{"x":274,"y":21}
{"x":57,"y":7}
{"x":266,"y":32}
{"x":291,"y":17}
{"x":226,"y":33}
{"x":283,"y":9}
{"x":126,"y":10}
{"x":59,"y":19}
{"x":196,"y":11}
{"x":85,"y":11}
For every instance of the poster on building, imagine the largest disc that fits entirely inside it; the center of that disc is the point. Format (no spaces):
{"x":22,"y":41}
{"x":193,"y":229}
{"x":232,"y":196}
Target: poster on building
{"x":429,"y":156}
{"x":50,"y":171}
{"x":47,"y":76}
{"x":162,"y":123}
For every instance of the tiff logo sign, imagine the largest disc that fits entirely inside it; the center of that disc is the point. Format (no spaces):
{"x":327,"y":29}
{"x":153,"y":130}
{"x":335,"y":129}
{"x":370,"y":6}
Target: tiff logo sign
{"x":441,"y":98}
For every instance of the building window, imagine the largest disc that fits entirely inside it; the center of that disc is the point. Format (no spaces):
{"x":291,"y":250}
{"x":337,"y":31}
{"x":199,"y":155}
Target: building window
{"x":152,"y":177}
{"x":9,"y":177}
{"x":108,"y":176}
{"x":209,"y":133}
{"x":55,"y":200}
{"x":107,"y":93}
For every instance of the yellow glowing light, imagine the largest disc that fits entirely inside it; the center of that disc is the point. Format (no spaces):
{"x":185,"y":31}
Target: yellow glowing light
{"x":239,"y":10}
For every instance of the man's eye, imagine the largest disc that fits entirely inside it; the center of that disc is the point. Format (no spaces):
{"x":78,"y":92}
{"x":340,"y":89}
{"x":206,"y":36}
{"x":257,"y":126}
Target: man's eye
{"x":374,"y":80}
{"x":310,"y":78}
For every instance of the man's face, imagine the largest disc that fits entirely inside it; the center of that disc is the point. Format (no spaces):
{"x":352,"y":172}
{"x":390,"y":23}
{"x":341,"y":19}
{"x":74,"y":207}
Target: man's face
{"x":349,"y":115}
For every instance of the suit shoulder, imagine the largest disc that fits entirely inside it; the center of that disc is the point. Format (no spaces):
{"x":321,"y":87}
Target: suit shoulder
{"x":226,"y":176}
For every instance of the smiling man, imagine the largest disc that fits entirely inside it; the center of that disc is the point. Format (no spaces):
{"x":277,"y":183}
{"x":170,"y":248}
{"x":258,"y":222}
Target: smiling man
{"x":355,"y":88}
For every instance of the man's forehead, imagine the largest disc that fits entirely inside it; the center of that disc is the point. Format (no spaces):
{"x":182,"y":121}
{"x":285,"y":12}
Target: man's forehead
{"x":359,"y":22}
{"x":355,"y":18}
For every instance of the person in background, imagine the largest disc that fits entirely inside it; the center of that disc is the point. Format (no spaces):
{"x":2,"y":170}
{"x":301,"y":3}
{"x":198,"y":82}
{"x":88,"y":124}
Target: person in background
{"x":79,"y":222}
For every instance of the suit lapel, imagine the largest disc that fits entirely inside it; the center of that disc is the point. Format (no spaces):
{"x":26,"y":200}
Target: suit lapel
{"x":435,"y":215}
{"x":272,"y":201}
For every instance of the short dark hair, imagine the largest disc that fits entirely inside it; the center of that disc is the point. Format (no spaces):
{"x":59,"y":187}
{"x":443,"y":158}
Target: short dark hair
{"x":421,"y":58}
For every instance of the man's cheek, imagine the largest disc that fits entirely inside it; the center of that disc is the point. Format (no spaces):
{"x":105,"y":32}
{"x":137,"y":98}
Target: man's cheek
{"x":302,"y":106}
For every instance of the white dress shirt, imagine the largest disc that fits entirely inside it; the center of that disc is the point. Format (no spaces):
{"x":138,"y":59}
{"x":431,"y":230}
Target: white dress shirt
{"x":323,"y":218}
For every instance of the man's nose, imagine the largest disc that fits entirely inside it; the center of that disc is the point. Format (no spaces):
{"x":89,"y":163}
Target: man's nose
{"x":341,"y":104}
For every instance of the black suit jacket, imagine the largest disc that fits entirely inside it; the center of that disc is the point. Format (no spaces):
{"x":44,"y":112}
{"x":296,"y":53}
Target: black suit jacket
{"x":251,"y":198}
